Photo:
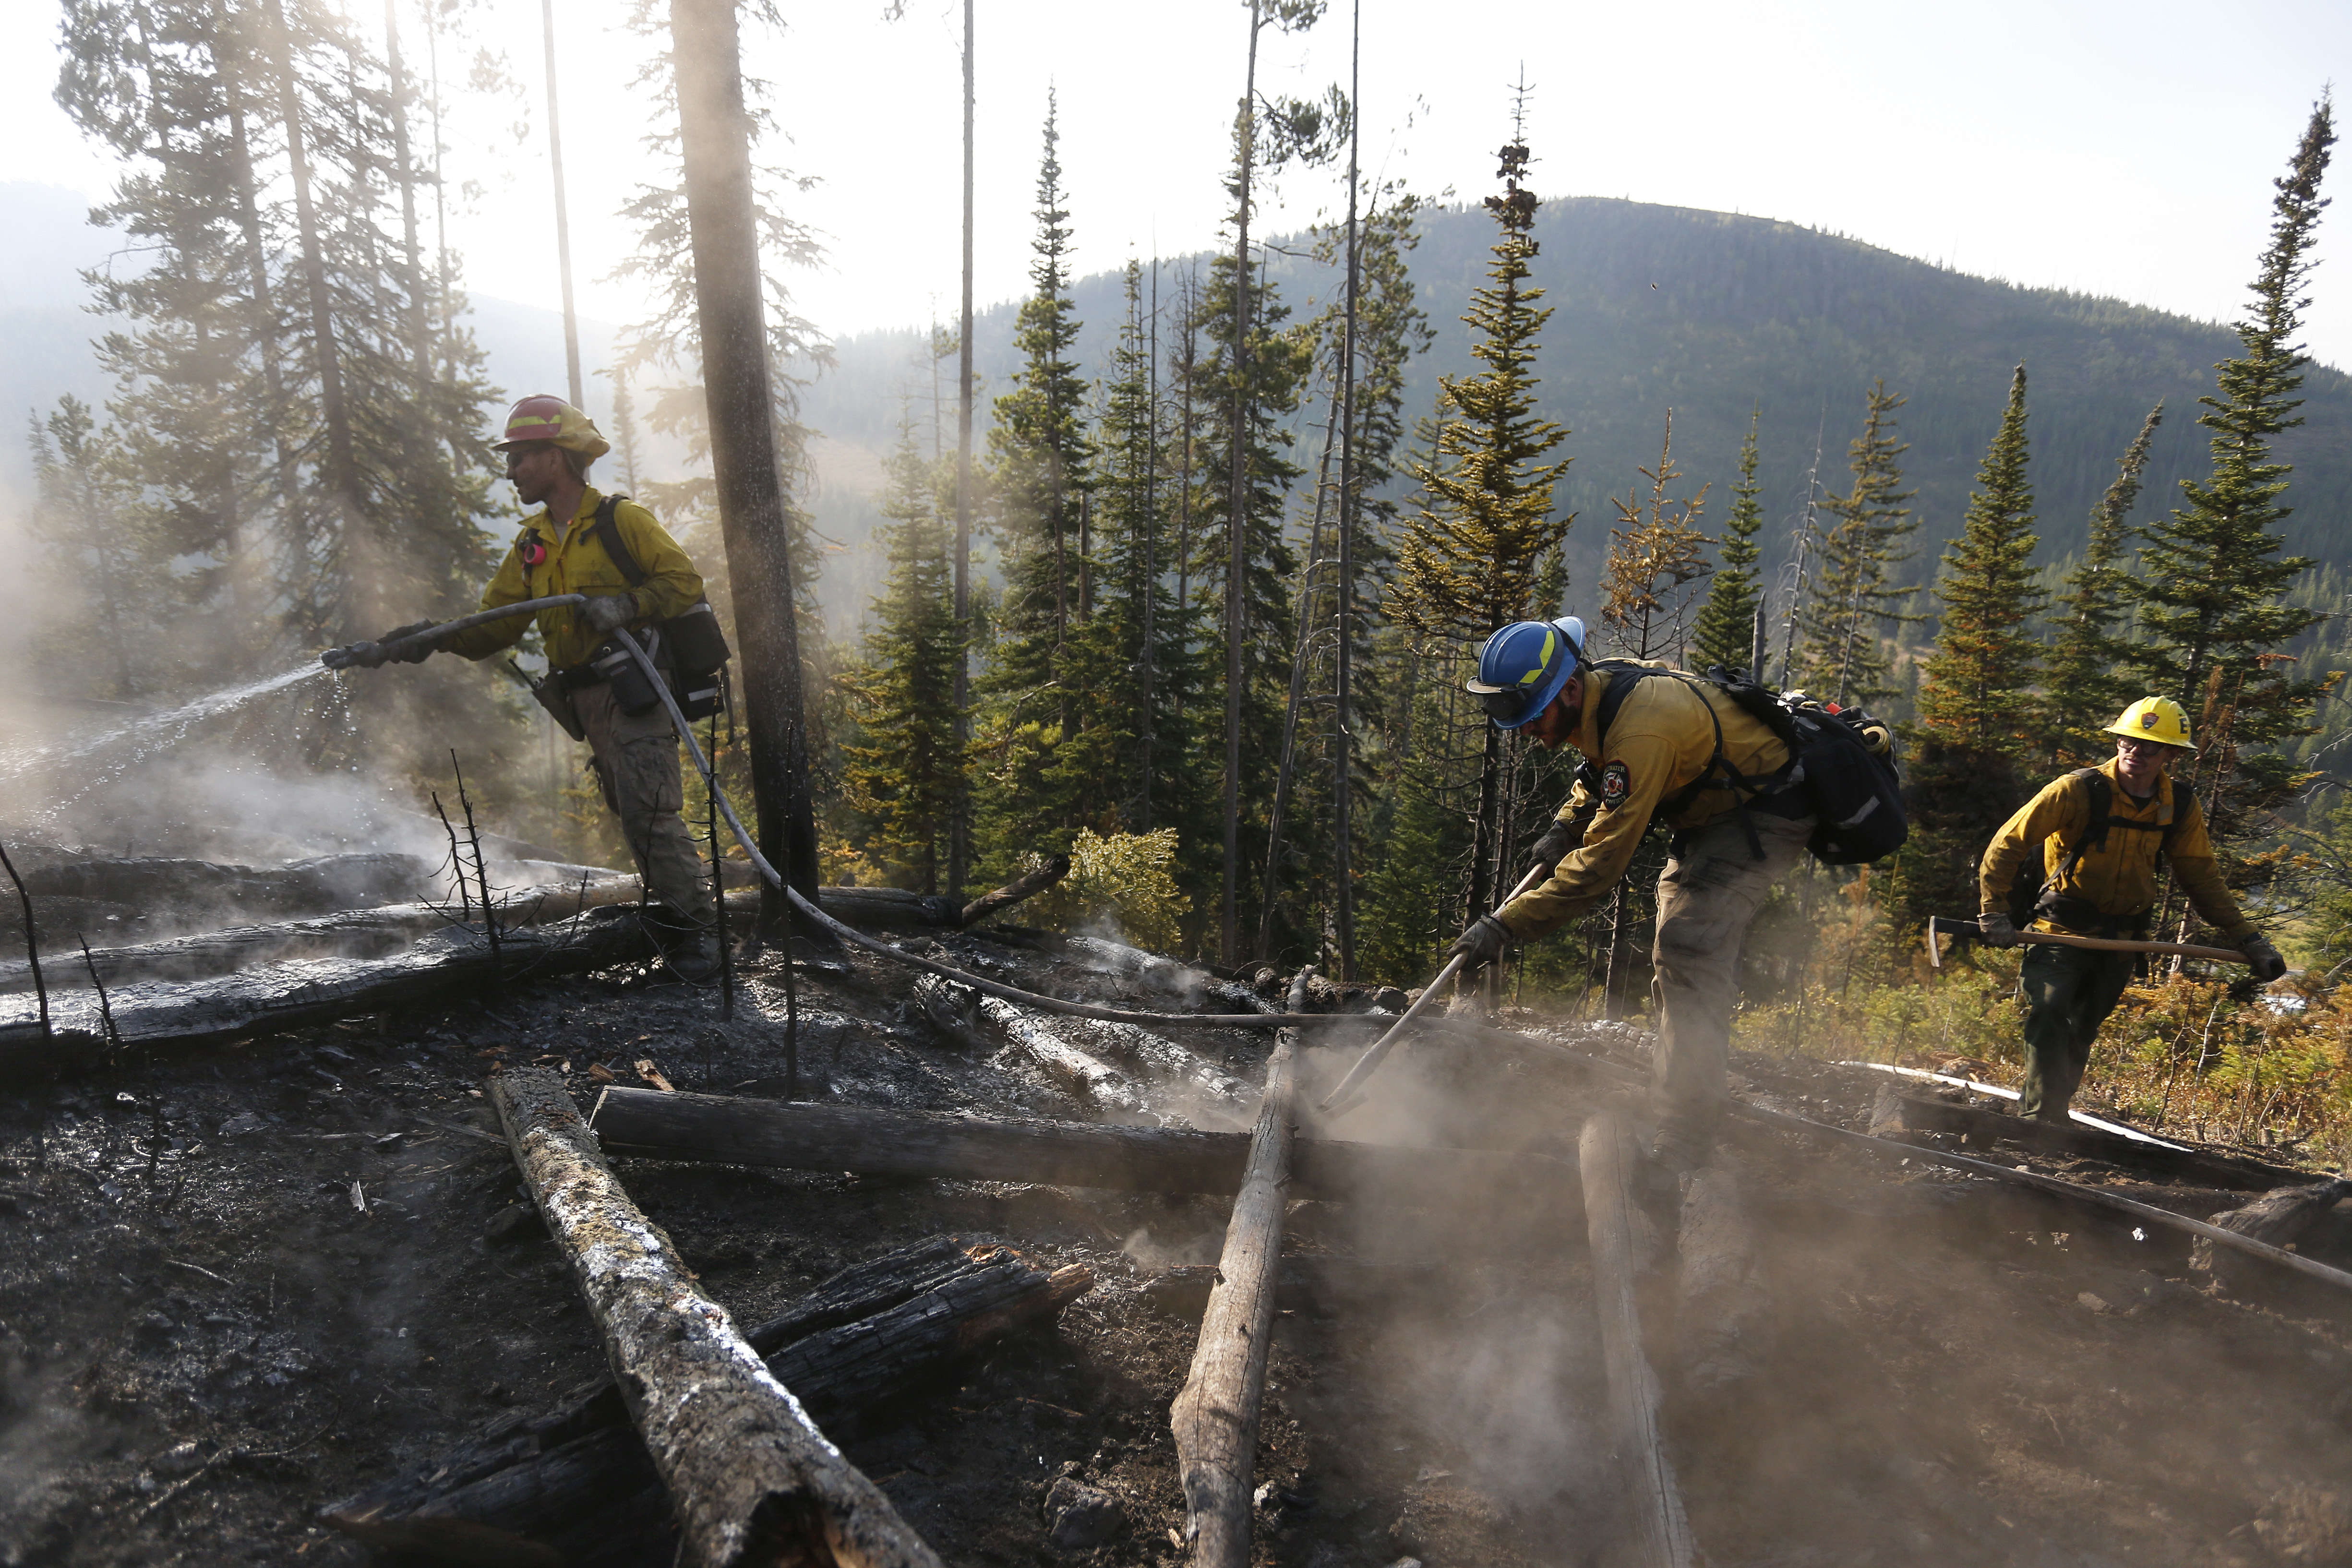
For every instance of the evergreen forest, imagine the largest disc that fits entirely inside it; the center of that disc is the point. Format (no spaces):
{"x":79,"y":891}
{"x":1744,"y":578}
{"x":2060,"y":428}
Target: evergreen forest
{"x":1196,"y":604}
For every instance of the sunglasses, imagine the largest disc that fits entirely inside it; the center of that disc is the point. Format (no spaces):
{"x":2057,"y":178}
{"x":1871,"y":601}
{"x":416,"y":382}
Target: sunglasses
{"x":1503,"y":706}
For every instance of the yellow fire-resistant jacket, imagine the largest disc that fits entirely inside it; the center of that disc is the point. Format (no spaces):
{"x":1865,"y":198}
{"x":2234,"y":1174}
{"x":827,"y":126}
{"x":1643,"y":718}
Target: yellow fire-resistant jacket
{"x":542,"y":564}
{"x":1659,"y":742}
{"x":2118,"y":877}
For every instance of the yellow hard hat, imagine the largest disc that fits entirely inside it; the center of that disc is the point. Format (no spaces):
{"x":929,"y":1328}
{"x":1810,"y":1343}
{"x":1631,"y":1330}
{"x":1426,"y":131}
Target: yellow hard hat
{"x":546,"y":417}
{"x":2159,"y":719}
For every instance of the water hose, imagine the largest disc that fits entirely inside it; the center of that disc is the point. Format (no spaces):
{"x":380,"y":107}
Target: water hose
{"x":945,"y":971}
{"x":346,"y":656}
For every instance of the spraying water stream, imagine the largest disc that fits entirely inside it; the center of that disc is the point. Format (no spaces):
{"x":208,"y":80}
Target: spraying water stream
{"x":117,"y":750}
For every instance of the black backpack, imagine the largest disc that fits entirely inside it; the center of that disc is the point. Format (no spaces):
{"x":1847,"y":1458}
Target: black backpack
{"x":2033,"y":894}
{"x":1854,"y":795}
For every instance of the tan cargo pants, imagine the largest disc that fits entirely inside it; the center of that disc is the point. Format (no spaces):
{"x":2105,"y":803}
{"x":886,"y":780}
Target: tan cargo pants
{"x":1707,"y":895}
{"x":636,"y":761}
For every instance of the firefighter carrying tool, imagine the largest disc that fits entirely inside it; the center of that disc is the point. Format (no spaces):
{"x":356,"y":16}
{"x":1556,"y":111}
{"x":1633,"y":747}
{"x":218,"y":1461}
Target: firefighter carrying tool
{"x":2080,"y":860}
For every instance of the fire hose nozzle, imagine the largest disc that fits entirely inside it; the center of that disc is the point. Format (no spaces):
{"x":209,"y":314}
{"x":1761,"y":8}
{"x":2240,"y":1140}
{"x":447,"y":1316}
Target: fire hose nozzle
{"x":346,"y":656}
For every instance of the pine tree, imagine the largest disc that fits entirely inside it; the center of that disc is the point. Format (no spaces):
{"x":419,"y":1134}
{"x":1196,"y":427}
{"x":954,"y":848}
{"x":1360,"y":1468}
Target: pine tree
{"x":88,"y":524}
{"x":1851,"y":602}
{"x":1038,"y":694}
{"x":2209,"y":595}
{"x":1656,"y":553}
{"x":1978,"y":691}
{"x":2085,"y":688}
{"x":1978,"y":717}
{"x":1468,"y":560}
{"x":1725,"y":632}
{"x":901,"y":772}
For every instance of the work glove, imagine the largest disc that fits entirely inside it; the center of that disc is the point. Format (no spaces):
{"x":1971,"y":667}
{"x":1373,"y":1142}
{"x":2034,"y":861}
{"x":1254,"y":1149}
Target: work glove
{"x":2267,"y":963}
{"x":608,"y":614}
{"x":1482,"y":943}
{"x":1997,"y":930}
{"x":414,"y":654}
{"x":1546,"y":852}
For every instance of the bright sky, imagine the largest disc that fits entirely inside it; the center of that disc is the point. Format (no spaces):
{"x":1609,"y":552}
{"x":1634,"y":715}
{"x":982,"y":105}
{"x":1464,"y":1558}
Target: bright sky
{"x":2119,"y":148}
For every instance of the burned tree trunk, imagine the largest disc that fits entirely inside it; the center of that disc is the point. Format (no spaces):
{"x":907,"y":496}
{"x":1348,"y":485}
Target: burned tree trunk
{"x":1080,"y":1075}
{"x":791,"y":1135}
{"x":1659,"y":1534}
{"x":862,"y":1340}
{"x":750,"y":1477}
{"x":1214,"y":1419}
{"x":715,"y":142}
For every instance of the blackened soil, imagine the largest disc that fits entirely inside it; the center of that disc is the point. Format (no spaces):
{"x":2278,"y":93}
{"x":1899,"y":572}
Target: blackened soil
{"x":239,"y":1284}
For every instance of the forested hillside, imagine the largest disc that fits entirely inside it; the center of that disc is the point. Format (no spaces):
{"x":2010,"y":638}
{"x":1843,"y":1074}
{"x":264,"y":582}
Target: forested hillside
{"x":1746,"y":314}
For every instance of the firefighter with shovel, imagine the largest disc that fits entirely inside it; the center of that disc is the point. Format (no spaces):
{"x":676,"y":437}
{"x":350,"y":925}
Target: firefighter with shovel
{"x":2093,"y":837}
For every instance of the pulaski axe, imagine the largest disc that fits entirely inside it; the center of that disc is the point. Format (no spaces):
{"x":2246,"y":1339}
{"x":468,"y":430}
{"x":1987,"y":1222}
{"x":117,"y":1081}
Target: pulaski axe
{"x":1961,"y":931}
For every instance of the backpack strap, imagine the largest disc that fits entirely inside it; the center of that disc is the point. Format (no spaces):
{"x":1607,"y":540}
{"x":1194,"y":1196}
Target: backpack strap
{"x":1624,"y":676}
{"x":608,"y":533}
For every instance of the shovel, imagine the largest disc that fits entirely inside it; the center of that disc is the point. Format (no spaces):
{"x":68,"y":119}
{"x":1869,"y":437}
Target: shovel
{"x":1961,"y":931}
{"x":1371,"y":1059}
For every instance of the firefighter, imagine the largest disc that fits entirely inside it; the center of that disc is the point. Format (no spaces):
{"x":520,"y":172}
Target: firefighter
{"x":1662,"y":755}
{"x":2098,"y":832}
{"x":548,"y":445}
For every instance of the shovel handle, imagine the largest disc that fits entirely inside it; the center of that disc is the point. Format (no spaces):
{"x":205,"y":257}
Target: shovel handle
{"x":1966,"y":930}
{"x":1371,"y":1059}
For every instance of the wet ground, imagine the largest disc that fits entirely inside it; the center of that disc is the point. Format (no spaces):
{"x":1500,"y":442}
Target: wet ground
{"x":237,"y":1284}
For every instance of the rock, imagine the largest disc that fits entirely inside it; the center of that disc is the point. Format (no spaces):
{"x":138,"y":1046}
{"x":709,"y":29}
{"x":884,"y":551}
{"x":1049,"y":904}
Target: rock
{"x":511,"y":1223}
{"x":2093,"y":1302}
{"x":245,"y":1123}
{"x":179,"y":1461}
{"x":1079,"y":1517}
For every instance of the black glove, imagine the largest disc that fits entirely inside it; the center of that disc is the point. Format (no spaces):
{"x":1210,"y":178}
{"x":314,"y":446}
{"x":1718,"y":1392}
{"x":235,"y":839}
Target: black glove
{"x":414,"y":654}
{"x":2267,"y":964}
{"x":1547,"y":851}
{"x":608,"y":614}
{"x":1481,"y":942}
{"x":1997,"y":930}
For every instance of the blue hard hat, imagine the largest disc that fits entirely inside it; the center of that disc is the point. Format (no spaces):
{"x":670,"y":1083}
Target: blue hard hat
{"x":1523,"y":667}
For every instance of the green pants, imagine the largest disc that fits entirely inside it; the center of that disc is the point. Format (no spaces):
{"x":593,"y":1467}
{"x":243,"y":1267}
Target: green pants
{"x":2069,"y":993}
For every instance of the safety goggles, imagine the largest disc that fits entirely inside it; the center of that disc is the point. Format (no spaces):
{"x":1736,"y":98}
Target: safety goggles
{"x":1503,"y":705}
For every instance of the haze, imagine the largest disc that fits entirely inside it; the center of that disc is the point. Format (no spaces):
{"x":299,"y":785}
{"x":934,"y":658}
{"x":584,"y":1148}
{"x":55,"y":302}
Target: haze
{"x":2112,"y":149}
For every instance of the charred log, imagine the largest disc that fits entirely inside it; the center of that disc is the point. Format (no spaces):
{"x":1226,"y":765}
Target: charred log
{"x":349,"y":934}
{"x":750,"y":1477}
{"x":1623,"y":1243}
{"x":2280,"y":1218}
{"x":1214,"y":1417}
{"x":855,"y":1345}
{"x":1982,"y":1128}
{"x":718,"y":1130}
{"x":282,"y":996}
{"x":1079,"y":1074}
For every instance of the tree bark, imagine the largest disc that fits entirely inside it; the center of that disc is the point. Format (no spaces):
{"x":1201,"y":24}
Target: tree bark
{"x":1079,"y":1074}
{"x":1214,"y":1419}
{"x":1658,"y":1533}
{"x":714,"y":135}
{"x":750,"y":1477}
{"x":860,"y":1341}
{"x":2279,"y":1218}
{"x":790,"y":1136}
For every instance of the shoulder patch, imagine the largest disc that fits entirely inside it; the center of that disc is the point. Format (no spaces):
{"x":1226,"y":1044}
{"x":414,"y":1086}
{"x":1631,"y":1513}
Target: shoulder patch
{"x":1616,"y":783}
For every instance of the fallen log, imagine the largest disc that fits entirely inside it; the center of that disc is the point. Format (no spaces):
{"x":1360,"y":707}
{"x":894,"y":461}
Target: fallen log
{"x":347,"y":933}
{"x":1658,"y":1533}
{"x":953,"y":1010}
{"x":1214,"y":1417}
{"x":296,"y":994}
{"x":793,"y":1135}
{"x":1160,"y":1058}
{"x":750,"y":1477}
{"x":1028,"y":885}
{"x":1080,"y":1075}
{"x":893,"y":906}
{"x":2280,"y":1218}
{"x":1982,"y":1128}
{"x":862,"y":1340}
{"x":316,"y":887}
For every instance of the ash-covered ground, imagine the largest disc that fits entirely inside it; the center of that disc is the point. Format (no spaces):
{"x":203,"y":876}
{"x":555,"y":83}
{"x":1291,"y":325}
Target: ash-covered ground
{"x":239,"y":1283}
